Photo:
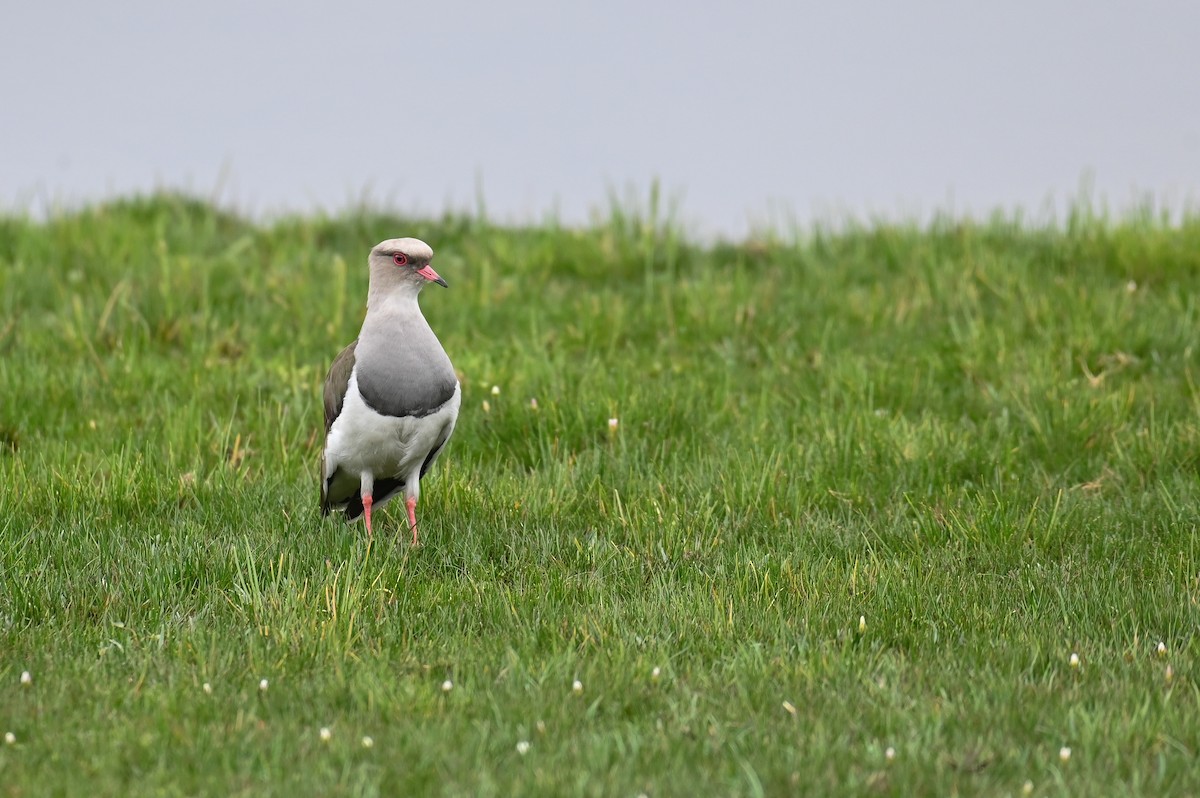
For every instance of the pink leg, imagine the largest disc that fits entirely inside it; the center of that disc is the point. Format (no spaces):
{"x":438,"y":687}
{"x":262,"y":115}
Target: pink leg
{"x":411,"y":504}
{"x":367,"y":502}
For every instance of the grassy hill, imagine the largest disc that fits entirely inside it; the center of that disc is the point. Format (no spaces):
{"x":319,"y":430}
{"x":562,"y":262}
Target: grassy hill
{"x":866,"y":492}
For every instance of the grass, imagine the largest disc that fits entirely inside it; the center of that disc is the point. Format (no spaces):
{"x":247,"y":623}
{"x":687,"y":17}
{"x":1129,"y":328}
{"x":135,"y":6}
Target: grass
{"x":981,"y":438}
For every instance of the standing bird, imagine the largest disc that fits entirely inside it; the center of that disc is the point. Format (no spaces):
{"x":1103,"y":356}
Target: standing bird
{"x":391,"y":396}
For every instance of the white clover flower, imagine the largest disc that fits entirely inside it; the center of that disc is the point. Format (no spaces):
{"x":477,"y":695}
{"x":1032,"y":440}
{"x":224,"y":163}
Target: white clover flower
{"x":495,"y":390}
{"x":1064,"y":753}
{"x":10,"y":738}
{"x":263,"y":684}
{"x":368,"y":742}
{"x":889,"y":754}
{"x":656,"y":673}
{"x":523,"y":747}
{"x":1074,"y":660}
{"x":1162,"y":649}
{"x":612,"y":424}
{"x":326,"y":734}
{"x":447,"y":686}
{"x":26,"y":678}
{"x":577,"y":687}
{"x":207,"y":688}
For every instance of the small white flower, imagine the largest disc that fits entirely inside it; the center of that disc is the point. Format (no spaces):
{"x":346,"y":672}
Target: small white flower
{"x":1131,"y":286}
{"x":495,"y":390}
{"x":1064,"y":753}
{"x":1027,"y":787}
{"x":577,"y":687}
{"x":368,"y":742}
{"x":862,"y":624}
{"x":326,"y":734}
{"x":612,"y":424}
{"x":26,"y":678}
{"x":1074,"y":660}
{"x":1162,"y":649}
{"x":207,"y":688}
{"x":656,"y":673}
{"x":889,"y":754}
{"x":447,"y":686}
{"x":533,"y":403}
{"x":523,"y":747}
{"x":262,"y":685}
{"x":487,"y":406}
{"x":10,"y":738}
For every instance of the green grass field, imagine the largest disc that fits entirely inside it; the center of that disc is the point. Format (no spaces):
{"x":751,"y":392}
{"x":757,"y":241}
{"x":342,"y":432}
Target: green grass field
{"x":983,"y":439}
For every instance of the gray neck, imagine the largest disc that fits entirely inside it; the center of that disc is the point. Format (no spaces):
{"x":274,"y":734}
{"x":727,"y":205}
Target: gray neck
{"x":397,"y":298}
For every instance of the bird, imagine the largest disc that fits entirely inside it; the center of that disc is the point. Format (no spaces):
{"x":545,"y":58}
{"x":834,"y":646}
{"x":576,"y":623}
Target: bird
{"x":391,"y":396}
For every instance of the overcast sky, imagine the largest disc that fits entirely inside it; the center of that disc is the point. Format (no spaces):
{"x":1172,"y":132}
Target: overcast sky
{"x":746,"y":113}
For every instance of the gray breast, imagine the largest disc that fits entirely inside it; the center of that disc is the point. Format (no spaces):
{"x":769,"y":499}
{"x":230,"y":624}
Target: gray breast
{"x":402,"y":369}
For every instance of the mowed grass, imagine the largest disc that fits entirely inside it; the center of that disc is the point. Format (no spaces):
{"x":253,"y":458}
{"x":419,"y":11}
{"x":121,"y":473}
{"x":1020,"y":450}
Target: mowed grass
{"x":981,"y":439}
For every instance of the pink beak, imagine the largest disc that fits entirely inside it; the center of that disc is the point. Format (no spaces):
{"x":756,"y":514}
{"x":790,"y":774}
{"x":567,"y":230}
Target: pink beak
{"x":429,"y":274}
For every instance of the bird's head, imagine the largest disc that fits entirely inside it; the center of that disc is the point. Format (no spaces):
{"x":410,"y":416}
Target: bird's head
{"x":402,"y":264}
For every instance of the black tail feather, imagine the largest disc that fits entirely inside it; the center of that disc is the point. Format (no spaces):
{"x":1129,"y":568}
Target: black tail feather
{"x":384,"y":489}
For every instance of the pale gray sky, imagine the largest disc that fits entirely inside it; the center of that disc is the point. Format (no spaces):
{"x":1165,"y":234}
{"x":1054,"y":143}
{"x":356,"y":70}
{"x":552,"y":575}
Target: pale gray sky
{"x":746,"y":112}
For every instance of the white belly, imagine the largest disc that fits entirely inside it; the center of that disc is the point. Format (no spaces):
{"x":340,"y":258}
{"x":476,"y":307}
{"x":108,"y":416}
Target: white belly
{"x":363,"y":442}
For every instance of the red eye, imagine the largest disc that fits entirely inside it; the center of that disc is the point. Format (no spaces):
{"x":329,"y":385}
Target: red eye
{"x":400,"y":259}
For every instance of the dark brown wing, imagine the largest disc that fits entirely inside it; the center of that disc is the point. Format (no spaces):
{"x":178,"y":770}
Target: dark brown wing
{"x":334,"y":396}
{"x":336,"y":383}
